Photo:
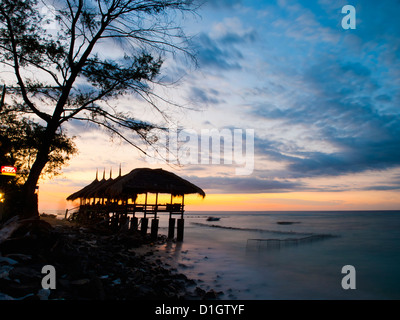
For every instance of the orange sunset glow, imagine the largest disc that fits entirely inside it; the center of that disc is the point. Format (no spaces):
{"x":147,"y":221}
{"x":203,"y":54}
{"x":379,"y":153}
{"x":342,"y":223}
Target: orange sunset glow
{"x":53,"y":199}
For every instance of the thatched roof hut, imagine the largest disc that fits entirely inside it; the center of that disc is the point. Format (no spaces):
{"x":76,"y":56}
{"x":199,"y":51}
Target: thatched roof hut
{"x":143,"y":180}
{"x":114,"y":196}
{"x":138,"y":181}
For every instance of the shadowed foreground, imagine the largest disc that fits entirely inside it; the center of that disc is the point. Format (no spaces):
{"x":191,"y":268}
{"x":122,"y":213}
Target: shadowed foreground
{"x":90,"y":264}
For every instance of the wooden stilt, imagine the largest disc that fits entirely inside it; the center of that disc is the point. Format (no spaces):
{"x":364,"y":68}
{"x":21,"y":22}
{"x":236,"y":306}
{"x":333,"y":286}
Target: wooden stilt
{"x":154,"y":228}
{"x":134,"y":224}
{"x":183,"y":205}
{"x":171,"y":228}
{"x":145,"y":223}
{"x":181,"y":227}
{"x":145,"y":206}
{"x":156,"y":207}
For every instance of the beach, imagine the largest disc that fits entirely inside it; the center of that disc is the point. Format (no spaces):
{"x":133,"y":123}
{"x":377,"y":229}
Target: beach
{"x":90,"y":264}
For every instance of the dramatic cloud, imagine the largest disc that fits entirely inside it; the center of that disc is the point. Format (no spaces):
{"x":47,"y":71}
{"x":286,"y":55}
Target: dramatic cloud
{"x":244,"y":184}
{"x":323,"y":101}
{"x":342,"y":112}
{"x":211,"y":54}
{"x":204,"y":96}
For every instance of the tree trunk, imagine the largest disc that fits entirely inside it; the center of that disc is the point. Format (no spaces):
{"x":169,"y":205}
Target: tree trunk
{"x":30,"y":198}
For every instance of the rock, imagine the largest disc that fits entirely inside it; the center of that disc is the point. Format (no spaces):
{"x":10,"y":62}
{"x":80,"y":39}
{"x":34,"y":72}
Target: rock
{"x":5,"y":271}
{"x":48,"y":215}
{"x":43,"y":294}
{"x":8,"y":260}
{"x":8,"y":228}
{"x":6,"y":297}
{"x":19,"y":256}
{"x":199,"y":291}
{"x":80,"y":282}
{"x":26,"y":274}
{"x":212,"y":294}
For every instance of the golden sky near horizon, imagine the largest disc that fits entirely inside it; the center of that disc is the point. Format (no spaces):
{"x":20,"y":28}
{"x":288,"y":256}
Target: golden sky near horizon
{"x":54,"y":198}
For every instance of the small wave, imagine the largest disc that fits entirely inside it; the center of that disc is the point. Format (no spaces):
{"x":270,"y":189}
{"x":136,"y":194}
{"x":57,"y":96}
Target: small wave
{"x":251,"y":229}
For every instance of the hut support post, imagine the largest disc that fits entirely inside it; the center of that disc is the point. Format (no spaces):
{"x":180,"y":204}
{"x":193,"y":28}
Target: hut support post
{"x":145,"y":205}
{"x":181,"y":222}
{"x":145,"y":223}
{"x":171,"y":222}
{"x":154,"y":228}
{"x":181,"y":227}
{"x":134,"y":223}
{"x":154,"y":222}
{"x":171,"y":228}
{"x":156,"y":207}
{"x":183,"y":205}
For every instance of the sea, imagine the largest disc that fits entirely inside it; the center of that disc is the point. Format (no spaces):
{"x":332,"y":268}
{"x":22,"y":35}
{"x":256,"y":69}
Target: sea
{"x":289,"y":255}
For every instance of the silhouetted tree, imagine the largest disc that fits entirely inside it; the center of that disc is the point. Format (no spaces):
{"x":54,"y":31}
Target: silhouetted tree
{"x":20,"y":139}
{"x":52,"y":49}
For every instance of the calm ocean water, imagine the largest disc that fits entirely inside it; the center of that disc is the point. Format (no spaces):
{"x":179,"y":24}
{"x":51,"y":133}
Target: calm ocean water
{"x":296,"y":255}
{"x":220,"y":255}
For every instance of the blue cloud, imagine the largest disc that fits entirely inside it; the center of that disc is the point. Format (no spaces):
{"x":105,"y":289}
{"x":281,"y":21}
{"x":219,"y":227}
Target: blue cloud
{"x":219,"y":4}
{"x":246,"y":184}
{"x":203,"y":96}
{"x":213,"y":54}
{"x":342,"y":113}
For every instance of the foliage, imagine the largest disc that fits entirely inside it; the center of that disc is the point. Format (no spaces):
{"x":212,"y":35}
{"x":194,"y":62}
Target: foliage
{"x":64,"y":68}
{"x":20,"y":140}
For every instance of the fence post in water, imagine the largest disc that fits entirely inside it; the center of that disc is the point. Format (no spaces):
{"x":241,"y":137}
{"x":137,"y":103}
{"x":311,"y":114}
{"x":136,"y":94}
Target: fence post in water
{"x":154,"y":228}
{"x":171,"y":228}
{"x":145,"y":223}
{"x":181,"y":226}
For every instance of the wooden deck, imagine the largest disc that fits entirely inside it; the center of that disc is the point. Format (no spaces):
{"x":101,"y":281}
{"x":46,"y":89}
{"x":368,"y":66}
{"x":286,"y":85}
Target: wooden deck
{"x":132,"y":209}
{"x":126,"y":216}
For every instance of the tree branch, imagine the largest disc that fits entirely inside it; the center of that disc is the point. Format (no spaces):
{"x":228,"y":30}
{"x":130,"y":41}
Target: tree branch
{"x":21,"y":83}
{"x":114,"y":131}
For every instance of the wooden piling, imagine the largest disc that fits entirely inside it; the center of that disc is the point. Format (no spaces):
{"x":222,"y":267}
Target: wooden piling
{"x":154,"y":228}
{"x":181,"y":226}
{"x":134,"y":224}
{"x":145,"y":223}
{"x":171,"y":228}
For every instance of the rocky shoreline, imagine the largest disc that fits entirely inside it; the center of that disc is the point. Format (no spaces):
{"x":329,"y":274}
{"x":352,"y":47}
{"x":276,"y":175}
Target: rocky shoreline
{"x":90,"y":264}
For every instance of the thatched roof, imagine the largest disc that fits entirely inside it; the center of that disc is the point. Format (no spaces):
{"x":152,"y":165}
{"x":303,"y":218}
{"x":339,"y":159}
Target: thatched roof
{"x":144,"y":180}
{"x":94,"y":191}
{"x":136,"y":182}
{"x":99,"y":191}
{"x":81,"y":193}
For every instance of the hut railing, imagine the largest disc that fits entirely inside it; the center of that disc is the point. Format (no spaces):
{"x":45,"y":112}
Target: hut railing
{"x":133,"y":208}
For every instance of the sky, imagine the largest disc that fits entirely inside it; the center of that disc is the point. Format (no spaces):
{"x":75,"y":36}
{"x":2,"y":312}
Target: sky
{"x":322,"y":101}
